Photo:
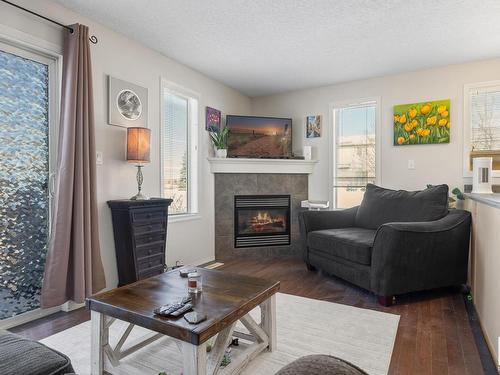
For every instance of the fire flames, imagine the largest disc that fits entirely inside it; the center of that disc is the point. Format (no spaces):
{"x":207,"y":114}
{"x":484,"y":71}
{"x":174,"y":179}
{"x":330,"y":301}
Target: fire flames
{"x":264,"y":222}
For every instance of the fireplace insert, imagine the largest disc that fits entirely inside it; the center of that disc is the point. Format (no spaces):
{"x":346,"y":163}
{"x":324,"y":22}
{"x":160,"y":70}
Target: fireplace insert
{"x":261,"y":220}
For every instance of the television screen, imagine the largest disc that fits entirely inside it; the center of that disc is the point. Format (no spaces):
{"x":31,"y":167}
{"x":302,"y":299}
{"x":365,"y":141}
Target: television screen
{"x":259,"y":137}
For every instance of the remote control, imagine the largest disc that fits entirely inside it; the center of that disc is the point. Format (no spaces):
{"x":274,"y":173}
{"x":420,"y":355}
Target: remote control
{"x":167,"y":309}
{"x":182,"y":310}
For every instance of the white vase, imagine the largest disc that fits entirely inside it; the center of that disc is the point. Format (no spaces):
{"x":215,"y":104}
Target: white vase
{"x":221,"y":153}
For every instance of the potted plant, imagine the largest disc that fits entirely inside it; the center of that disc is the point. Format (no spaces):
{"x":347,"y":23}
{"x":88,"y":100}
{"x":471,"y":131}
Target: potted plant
{"x":219,"y":139}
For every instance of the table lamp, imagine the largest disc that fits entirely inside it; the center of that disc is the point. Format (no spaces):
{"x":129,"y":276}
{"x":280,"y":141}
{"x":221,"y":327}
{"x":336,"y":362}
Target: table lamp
{"x":138,"y":150}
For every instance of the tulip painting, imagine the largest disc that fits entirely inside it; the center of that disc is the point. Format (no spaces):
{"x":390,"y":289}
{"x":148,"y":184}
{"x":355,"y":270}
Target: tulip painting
{"x":422,"y":123}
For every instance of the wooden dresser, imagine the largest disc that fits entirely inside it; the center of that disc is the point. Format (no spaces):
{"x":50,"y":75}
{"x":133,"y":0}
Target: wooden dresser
{"x":140,"y":231}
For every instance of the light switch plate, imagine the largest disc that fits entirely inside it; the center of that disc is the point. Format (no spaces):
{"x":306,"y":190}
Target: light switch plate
{"x":411,"y":164}
{"x":98,"y":158}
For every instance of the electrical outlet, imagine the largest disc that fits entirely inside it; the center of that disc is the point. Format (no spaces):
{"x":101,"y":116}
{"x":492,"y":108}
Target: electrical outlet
{"x":98,"y":158}
{"x":411,"y":164}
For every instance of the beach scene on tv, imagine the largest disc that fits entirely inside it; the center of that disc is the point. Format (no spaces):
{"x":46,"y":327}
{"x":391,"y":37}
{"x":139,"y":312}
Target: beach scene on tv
{"x":259,"y":137}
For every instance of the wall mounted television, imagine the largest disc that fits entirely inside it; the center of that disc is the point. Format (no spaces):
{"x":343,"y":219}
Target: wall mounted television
{"x":259,"y":137}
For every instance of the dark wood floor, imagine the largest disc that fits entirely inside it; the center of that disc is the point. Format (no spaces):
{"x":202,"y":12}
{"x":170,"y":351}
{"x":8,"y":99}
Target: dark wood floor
{"x":434,"y":334}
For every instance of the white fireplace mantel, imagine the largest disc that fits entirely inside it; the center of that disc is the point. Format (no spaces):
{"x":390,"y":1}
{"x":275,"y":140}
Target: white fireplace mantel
{"x":243,"y":165}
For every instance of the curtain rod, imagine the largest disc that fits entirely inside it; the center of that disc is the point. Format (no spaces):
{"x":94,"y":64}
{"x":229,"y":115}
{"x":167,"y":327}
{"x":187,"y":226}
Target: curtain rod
{"x":92,"y":38}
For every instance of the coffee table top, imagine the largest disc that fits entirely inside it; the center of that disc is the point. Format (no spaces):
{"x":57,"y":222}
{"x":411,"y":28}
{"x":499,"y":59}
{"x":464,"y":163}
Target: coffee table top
{"x":226,"y":297}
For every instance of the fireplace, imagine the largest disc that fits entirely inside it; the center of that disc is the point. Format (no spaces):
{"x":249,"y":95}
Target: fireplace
{"x":261,"y":220}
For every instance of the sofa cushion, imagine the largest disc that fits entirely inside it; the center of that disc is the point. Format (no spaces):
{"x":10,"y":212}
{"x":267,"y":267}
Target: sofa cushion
{"x":381,"y":206}
{"x":19,"y":355}
{"x":353,"y":244}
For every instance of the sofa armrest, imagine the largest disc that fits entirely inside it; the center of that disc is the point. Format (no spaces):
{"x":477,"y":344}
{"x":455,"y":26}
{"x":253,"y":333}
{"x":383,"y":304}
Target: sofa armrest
{"x":415,"y":256}
{"x":317,"y":220}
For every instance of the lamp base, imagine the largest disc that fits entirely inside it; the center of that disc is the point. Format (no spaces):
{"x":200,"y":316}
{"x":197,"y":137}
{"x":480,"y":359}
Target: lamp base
{"x":139,"y":197}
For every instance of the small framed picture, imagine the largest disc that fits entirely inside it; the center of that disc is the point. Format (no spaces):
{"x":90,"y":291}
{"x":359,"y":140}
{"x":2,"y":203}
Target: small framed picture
{"x":212,"y":119}
{"x":313,"y":126}
{"x":127,"y":104}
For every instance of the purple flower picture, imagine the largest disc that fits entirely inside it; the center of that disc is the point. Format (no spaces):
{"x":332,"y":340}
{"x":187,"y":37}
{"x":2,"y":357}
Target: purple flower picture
{"x":212,"y":119}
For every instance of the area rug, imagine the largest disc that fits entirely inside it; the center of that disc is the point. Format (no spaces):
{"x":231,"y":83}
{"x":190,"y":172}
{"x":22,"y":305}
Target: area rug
{"x":305,"y":326}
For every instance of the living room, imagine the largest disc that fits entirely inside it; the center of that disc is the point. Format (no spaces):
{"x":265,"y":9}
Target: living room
{"x":336,"y":201}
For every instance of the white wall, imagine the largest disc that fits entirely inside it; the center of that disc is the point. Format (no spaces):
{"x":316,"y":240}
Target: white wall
{"x":433,"y":163}
{"x":117,"y":55}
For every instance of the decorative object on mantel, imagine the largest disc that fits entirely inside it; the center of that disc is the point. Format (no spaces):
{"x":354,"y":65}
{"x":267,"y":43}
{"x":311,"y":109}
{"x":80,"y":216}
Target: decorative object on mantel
{"x":138,"y":153}
{"x":481,"y":175}
{"x":313,"y":126}
{"x":127,"y":104}
{"x":212,"y":119}
{"x":307,"y":152}
{"x":219,"y":139}
{"x":422,"y":123}
{"x":315,"y":205}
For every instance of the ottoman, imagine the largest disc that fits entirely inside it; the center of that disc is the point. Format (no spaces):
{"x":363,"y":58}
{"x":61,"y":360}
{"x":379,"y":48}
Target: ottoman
{"x":320,"y":364}
{"x":19,"y":355}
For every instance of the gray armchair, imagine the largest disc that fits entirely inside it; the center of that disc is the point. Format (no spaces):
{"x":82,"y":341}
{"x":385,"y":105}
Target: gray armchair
{"x":393,"y":243}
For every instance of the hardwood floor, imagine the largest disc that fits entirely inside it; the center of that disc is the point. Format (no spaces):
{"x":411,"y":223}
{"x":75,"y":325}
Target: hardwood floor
{"x":434,"y":334}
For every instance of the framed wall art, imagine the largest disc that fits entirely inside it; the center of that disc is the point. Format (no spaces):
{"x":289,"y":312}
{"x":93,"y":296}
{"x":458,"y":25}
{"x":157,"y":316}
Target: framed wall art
{"x":422,"y":123}
{"x":127,"y":104}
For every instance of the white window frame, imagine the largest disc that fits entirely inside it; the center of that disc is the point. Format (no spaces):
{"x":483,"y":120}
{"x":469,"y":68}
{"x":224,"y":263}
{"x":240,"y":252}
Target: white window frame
{"x":27,"y":46}
{"x":193,"y":157}
{"x":333,"y":131}
{"x":467,"y":173}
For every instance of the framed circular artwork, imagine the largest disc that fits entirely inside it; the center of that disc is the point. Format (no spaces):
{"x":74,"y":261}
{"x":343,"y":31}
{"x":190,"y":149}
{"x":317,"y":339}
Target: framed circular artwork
{"x":127,"y":103}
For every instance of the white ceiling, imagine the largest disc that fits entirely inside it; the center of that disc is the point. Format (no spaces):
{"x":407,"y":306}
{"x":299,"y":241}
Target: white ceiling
{"x":262,"y":47}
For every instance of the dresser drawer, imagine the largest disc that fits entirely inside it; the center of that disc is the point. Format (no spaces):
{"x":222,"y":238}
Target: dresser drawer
{"x":148,"y":263}
{"x":146,"y":215}
{"x":149,"y":238}
{"x":150,"y":272}
{"x":141,"y":228}
{"x":148,"y":251}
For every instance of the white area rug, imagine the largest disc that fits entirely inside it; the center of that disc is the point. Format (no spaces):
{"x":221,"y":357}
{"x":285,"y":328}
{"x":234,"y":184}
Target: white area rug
{"x":305,"y":326}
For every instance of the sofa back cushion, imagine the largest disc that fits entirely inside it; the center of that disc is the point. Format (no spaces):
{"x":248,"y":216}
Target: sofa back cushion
{"x":380,"y":206}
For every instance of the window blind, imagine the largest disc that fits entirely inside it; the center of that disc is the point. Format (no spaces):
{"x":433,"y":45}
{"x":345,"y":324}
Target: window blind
{"x":485,"y":119}
{"x":175,"y":154}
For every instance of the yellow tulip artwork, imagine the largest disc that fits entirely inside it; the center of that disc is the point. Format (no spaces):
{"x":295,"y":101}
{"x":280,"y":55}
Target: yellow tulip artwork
{"x":422,"y":123}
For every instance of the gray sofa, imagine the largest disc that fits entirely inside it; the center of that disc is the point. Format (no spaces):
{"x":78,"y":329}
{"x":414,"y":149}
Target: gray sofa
{"x":394,"y":242}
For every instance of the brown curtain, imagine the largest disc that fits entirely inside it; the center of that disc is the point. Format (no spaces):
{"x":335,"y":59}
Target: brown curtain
{"x":74,"y":268}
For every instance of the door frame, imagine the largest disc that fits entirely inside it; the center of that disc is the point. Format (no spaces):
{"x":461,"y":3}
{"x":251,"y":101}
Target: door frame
{"x":333,"y":136}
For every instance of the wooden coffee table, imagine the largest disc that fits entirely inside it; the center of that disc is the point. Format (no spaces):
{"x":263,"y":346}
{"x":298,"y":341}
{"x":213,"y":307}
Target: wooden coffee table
{"x":226,"y":299}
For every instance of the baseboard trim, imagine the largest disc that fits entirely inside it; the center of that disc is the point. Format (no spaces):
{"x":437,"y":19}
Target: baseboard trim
{"x":483,"y":344}
{"x":71,"y":305}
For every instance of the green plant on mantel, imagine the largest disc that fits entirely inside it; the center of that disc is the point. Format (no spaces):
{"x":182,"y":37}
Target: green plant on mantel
{"x":219,"y":139}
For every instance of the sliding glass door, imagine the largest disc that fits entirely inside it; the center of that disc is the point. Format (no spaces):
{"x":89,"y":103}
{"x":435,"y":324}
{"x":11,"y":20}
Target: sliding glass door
{"x":26,"y":114}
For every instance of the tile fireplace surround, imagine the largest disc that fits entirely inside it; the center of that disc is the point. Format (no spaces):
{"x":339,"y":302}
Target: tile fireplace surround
{"x":227,"y":185}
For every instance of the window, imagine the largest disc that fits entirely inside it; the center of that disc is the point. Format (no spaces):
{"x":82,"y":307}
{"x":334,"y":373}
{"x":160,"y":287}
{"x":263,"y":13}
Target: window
{"x":179,"y":148}
{"x":482,"y":119}
{"x":354,"y":152}
{"x":28,"y":118}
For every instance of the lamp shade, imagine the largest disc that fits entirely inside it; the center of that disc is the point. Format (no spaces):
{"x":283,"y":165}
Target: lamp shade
{"x":138,"y":141}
